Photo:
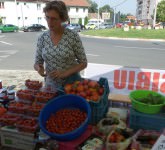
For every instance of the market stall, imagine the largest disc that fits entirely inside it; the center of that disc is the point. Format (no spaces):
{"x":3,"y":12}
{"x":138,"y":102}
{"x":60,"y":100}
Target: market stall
{"x":80,"y":117}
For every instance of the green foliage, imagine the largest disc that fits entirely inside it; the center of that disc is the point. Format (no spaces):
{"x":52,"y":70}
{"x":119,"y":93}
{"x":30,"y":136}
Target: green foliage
{"x":160,"y":16}
{"x":144,"y":33}
{"x":123,"y":17}
{"x":86,"y":20}
{"x":93,"y":7}
{"x":0,"y":20}
{"x":105,"y":8}
{"x":80,"y":21}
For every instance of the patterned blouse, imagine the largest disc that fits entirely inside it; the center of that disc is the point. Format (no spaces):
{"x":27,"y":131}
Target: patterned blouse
{"x":67,"y":53}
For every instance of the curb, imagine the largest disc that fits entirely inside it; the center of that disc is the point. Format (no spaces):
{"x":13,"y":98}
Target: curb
{"x":116,"y":38}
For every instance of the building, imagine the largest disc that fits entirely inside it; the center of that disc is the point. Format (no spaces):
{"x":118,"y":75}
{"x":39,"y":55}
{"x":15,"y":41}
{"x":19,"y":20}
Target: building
{"x":77,"y":9}
{"x":145,"y":10}
{"x":26,"y":12}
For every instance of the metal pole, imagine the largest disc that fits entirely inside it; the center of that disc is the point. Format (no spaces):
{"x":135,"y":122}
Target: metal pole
{"x":98,"y":14}
{"x":154,"y":21}
{"x":16,"y":12}
{"x":114,"y":18}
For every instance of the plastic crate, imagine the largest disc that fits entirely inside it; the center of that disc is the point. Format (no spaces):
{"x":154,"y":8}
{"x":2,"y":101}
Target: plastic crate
{"x":15,"y":139}
{"x":100,"y":108}
{"x":146,"y":121}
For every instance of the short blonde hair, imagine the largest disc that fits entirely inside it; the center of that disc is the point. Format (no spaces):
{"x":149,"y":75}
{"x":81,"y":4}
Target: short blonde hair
{"x":59,"y":7}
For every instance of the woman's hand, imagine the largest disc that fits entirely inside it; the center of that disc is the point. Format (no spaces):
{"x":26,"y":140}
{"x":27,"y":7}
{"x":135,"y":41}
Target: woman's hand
{"x":40,"y":69}
{"x":58,"y":74}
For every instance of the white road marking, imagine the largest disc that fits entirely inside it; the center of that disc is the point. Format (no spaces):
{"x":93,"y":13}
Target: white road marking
{"x":160,"y":49}
{"x":4,"y":56}
{"x":92,"y":55}
{"x":1,"y":36}
{"x":3,"y":42}
{"x":6,"y":53}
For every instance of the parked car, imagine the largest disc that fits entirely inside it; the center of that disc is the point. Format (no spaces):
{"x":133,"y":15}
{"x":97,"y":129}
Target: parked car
{"x":119,"y":25}
{"x":163,"y":24}
{"x":34,"y":27}
{"x":8,"y":28}
{"x":75,"y":27}
{"x":106,"y":25}
{"x":90,"y":26}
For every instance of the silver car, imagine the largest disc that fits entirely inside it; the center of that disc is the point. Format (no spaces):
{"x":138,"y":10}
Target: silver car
{"x":106,"y":25}
{"x":75,"y":27}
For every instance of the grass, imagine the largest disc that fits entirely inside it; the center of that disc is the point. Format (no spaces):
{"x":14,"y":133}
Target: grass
{"x":132,"y":33}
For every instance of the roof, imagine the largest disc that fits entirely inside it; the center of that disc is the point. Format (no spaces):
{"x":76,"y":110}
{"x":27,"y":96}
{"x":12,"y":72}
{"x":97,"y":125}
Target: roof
{"x":79,"y":3}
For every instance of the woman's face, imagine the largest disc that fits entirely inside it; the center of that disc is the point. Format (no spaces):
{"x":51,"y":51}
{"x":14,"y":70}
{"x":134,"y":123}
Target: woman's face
{"x":53,"y":20}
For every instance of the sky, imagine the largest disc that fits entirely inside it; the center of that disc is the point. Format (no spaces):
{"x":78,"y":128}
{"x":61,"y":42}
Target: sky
{"x":129,"y":6}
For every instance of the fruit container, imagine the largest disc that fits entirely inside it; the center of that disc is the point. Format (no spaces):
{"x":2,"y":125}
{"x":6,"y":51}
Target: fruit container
{"x":44,"y":96}
{"x":138,"y":120}
{"x":18,"y":107}
{"x":9,"y":119}
{"x":65,"y":102}
{"x":34,"y":110}
{"x":145,"y":139}
{"x":141,"y":102}
{"x":26,"y":95}
{"x":33,"y":84}
{"x":99,"y":106}
{"x":28,"y":125}
{"x":119,"y":139}
{"x":106,"y":125}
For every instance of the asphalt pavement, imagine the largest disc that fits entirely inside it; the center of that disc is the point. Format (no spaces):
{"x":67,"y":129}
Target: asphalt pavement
{"x":17,"y":52}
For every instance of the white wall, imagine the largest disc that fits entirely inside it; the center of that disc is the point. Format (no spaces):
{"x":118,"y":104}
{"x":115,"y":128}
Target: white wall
{"x":26,"y":13}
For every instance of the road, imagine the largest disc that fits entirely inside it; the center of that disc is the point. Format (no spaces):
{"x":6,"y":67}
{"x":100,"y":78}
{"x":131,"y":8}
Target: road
{"x":17,"y":52}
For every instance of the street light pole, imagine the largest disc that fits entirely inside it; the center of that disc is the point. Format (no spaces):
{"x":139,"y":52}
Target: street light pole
{"x":98,"y":14}
{"x":16,"y":12}
{"x":154,"y":21}
{"x":114,"y":17}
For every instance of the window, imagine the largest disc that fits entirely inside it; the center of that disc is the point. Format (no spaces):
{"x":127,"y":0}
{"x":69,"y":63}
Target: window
{"x":17,"y":3}
{"x":2,"y":5}
{"x":19,"y":18}
{"x":26,"y":18}
{"x":38,"y":6}
{"x":83,"y":9}
{"x":24,"y":3}
{"x":76,"y":9}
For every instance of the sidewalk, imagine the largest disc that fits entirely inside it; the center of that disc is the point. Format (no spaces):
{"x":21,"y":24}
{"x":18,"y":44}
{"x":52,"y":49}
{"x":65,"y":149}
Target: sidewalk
{"x":18,"y":77}
{"x":117,"y":38}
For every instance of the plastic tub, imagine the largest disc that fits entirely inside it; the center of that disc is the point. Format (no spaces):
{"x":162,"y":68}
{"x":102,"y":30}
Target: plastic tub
{"x":135,"y":97}
{"x":65,"y":101}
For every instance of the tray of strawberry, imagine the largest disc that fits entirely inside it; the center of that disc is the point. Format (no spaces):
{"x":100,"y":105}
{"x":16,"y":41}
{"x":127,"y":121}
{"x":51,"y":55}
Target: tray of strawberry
{"x":28,"y":125}
{"x":34,"y":110}
{"x":26,"y":94}
{"x":44,"y":96}
{"x":8,"y":119}
{"x":33,"y":84}
{"x":18,"y":107}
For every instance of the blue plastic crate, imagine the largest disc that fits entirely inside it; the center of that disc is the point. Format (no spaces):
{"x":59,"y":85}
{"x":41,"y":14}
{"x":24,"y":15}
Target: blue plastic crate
{"x":98,"y":113}
{"x":100,"y":108}
{"x":140,"y":120}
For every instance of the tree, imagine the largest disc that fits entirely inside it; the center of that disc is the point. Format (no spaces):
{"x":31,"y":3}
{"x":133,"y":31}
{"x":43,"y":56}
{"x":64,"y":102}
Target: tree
{"x":0,"y":20}
{"x":93,"y":7}
{"x":105,"y":8}
{"x":160,"y":15}
{"x":123,"y":17}
{"x":86,"y":20}
{"x":80,"y":21}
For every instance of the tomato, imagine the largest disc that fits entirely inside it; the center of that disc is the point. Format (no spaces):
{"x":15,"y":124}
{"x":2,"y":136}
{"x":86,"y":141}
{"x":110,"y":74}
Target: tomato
{"x":65,"y":120}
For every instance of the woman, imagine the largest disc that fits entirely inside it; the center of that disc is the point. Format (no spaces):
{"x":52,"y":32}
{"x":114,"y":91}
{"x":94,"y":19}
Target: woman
{"x":60,"y":49}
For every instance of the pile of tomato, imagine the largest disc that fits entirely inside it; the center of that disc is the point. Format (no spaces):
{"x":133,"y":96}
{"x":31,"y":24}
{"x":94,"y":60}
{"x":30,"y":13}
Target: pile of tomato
{"x":65,"y":120}
{"x":32,"y":84}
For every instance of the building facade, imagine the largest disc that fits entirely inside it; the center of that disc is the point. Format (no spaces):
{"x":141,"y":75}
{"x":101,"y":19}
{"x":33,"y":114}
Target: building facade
{"x":145,"y":10}
{"x":25,"y":12}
